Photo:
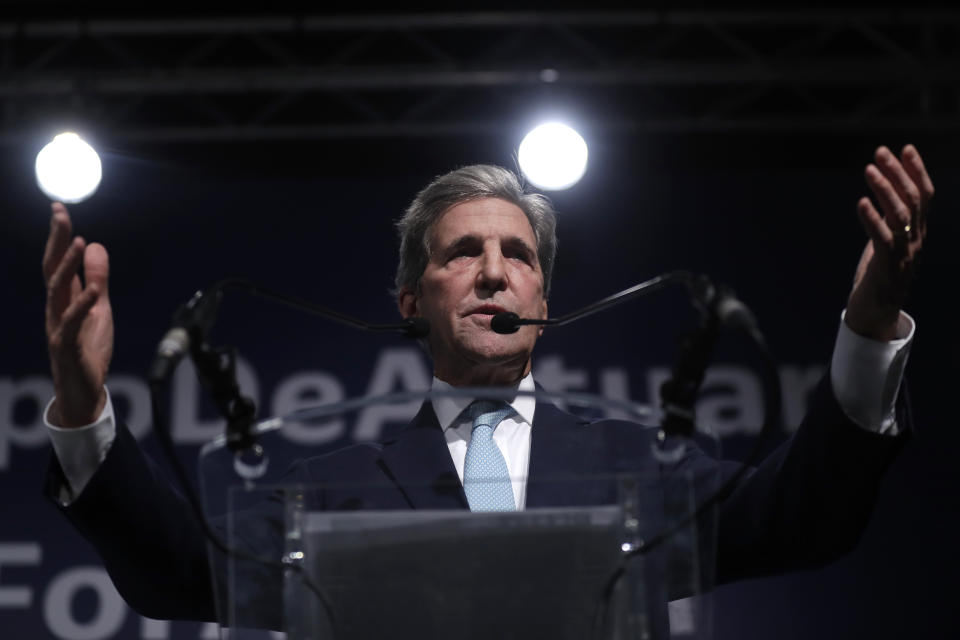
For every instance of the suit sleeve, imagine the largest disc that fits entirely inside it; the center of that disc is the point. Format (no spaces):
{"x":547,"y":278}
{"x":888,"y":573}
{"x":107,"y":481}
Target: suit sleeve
{"x":144,"y":531}
{"x":808,"y":503}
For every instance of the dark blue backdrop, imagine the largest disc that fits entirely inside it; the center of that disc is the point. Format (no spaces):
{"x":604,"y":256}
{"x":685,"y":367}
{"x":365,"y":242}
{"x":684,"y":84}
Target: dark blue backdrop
{"x":781,"y":229}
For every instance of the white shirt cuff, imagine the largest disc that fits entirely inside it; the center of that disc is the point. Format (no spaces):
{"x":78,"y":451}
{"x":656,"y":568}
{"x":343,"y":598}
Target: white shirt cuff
{"x":865,"y":375}
{"x":81,"y":450}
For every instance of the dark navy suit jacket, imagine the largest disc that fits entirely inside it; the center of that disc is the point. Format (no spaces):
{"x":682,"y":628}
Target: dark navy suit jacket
{"x":805,"y":505}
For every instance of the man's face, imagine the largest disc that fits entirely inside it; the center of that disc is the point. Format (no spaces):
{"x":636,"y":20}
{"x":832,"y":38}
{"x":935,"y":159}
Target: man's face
{"x":483,"y":260}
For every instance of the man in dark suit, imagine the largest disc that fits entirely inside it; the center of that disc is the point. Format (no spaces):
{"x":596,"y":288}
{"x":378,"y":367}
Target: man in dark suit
{"x":474,"y":244}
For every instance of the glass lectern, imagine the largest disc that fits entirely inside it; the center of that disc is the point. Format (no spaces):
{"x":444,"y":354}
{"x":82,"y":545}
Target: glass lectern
{"x":618,"y":547}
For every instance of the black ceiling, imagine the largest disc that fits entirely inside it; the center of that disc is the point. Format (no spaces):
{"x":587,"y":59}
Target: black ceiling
{"x":370,"y":89}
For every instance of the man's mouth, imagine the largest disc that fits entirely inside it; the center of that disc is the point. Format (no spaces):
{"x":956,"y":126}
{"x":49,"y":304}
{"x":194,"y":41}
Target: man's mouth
{"x":487,"y":310}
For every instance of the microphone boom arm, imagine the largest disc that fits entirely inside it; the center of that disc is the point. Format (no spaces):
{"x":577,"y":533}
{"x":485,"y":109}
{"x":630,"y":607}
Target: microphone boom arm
{"x":508,"y":322}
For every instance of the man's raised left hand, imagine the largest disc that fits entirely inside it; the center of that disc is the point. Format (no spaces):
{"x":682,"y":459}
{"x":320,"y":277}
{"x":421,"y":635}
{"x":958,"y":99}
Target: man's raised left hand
{"x":903,"y":191}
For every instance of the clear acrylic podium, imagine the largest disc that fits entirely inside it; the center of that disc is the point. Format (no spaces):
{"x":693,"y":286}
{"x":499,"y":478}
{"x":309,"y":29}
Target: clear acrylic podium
{"x":629,"y":555}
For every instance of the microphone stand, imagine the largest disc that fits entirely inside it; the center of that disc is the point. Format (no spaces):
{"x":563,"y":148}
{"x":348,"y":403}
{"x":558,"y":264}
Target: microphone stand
{"x":509,"y":322}
{"x":217,"y":370}
{"x":216,"y":366}
{"x":678,"y":394}
{"x":718,"y":307}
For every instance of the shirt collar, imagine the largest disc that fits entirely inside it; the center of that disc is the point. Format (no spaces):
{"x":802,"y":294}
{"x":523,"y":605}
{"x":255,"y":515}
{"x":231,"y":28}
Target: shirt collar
{"x":449,"y":409}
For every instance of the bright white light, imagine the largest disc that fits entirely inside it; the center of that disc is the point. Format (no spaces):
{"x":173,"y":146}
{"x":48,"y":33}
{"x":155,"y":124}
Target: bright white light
{"x":68,"y":169}
{"x":553,"y":156}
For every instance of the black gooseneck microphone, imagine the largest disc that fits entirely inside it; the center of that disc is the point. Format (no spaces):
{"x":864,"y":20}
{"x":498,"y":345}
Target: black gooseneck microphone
{"x":705,"y":295}
{"x":216,"y":366}
{"x":718,"y":307}
{"x":194,"y":319}
{"x":191,"y":324}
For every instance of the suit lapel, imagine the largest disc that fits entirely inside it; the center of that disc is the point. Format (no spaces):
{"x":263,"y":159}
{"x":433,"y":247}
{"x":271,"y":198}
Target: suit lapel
{"x":566,"y":463}
{"x":566,"y":458}
{"x":419,"y":462}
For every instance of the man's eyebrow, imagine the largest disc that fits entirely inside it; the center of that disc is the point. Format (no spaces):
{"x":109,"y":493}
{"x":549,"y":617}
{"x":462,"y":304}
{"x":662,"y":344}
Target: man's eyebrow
{"x":466,"y":240}
{"x":516,"y":242}
{"x":462,"y":241}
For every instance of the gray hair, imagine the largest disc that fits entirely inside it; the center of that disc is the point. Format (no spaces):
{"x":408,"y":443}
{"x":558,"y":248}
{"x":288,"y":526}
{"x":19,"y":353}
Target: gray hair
{"x":461,"y":185}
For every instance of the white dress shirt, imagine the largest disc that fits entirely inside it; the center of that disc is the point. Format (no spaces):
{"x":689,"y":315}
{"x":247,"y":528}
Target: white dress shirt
{"x":512,"y":435}
{"x":864,"y":374}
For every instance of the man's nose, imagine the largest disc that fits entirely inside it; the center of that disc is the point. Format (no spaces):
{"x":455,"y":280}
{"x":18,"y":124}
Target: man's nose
{"x":493,"y":274}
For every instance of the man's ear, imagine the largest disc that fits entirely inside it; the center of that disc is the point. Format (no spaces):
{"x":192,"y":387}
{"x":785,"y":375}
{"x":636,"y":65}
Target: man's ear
{"x":408,"y":303}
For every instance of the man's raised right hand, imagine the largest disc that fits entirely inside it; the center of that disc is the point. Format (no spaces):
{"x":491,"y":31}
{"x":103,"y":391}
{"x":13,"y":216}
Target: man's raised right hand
{"x":79,"y":322}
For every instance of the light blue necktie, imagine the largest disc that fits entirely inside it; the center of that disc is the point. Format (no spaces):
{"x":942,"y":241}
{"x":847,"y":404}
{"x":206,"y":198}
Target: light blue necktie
{"x":486,"y":480}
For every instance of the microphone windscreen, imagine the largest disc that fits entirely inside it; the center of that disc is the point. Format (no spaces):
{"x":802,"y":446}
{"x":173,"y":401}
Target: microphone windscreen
{"x":505,"y":322}
{"x":734,"y":314}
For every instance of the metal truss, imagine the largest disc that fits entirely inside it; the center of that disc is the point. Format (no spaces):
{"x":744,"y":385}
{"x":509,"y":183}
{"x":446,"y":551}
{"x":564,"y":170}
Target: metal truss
{"x":282,"y":77}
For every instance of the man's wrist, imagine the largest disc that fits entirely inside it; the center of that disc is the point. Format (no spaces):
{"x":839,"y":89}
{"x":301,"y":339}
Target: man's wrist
{"x":55,"y":416}
{"x":887,"y":329}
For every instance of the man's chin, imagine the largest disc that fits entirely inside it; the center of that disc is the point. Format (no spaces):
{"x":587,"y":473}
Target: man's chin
{"x":483,"y":360}
{"x":495,"y":350}
{"x":478,"y":346}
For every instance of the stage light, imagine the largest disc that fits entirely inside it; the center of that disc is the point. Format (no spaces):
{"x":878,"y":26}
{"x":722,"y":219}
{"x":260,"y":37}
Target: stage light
{"x":553,"y":156}
{"x":68,"y":169}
